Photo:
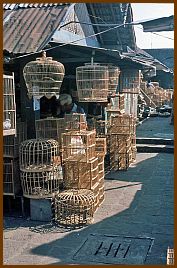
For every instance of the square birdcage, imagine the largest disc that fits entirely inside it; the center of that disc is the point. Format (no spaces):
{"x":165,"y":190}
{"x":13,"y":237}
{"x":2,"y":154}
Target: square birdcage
{"x":11,"y":177}
{"x":75,"y":121}
{"x":50,"y":128}
{"x":92,"y":83}
{"x":120,"y":161}
{"x":39,"y":154}
{"x":100,"y":146}
{"x":95,"y":190}
{"x":122,"y":124}
{"x":9,"y":107}
{"x":11,"y":143}
{"x":74,"y":208}
{"x":101,"y":128}
{"x":78,"y":144}
{"x":41,"y":184}
{"x":120,"y":143}
{"x":79,"y":175}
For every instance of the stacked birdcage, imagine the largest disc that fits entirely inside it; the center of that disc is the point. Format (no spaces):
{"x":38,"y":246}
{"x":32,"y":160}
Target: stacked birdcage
{"x":43,"y":77}
{"x":9,"y":108}
{"x":40,"y":166}
{"x":11,"y":172}
{"x":122,"y":141}
{"x":75,"y":121}
{"x":92,"y":83}
{"x":80,"y":162}
{"x":50,"y":128}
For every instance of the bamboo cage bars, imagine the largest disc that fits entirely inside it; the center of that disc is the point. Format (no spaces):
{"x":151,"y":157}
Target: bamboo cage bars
{"x":9,"y":108}
{"x":39,"y":154}
{"x":92,"y":83}
{"x":74,"y":208}
{"x":43,"y":77}
{"x":75,"y":121}
{"x":41,"y":184}
{"x":78,"y":144}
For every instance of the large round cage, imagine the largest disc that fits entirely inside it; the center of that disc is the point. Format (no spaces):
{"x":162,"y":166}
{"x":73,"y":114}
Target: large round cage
{"x":92,"y":83}
{"x":39,"y":153}
{"x":74,"y":207}
{"x":43,"y":77}
{"x":41,"y":184}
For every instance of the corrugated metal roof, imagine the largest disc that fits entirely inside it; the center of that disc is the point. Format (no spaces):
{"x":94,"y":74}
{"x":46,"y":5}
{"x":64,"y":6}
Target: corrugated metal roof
{"x":29,"y":29}
{"x":18,"y":6}
{"x":117,"y":13}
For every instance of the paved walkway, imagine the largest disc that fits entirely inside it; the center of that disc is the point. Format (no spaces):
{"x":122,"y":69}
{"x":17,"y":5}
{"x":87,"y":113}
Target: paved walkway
{"x":138,"y":203}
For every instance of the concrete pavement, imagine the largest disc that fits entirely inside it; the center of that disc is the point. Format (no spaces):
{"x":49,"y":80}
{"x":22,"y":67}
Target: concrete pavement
{"x":139,"y":203}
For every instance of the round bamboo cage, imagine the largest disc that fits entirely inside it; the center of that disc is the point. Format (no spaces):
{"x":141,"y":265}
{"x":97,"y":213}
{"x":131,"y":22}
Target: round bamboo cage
{"x":74,"y":207}
{"x":92,"y":83}
{"x":41,"y":184}
{"x":39,"y":154}
{"x":43,"y":77}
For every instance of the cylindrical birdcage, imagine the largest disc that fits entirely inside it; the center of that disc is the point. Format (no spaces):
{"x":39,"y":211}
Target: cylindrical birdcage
{"x":43,"y":77}
{"x":41,"y":184}
{"x":74,"y":208}
{"x":92,"y":83}
{"x":39,"y":154}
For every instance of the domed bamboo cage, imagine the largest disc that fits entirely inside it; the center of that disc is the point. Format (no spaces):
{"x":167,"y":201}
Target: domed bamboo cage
{"x":92,"y":82}
{"x":39,"y":154}
{"x":74,"y":208}
{"x":43,"y":77}
{"x":41,"y":184}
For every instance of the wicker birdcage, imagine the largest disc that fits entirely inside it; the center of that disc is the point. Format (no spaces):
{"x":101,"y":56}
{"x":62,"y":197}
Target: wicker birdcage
{"x":101,"y":128}
{"x":74,"y":208}
{"x":75,"y":121}
{"x":92,"y":83}
{"x":39,"y":154}
{"x":50,"y":128}
{"x":41,"y":184}
{"x":79,"y":175}
{"x":43,"y":77}
{"x":9,"y":108}
{"x":78,"y":145}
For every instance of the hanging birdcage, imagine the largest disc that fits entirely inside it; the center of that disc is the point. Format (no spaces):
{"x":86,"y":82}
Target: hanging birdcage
{"x":39,"y":154}
{"x":43,"y":77}
{"x":92,"y":82}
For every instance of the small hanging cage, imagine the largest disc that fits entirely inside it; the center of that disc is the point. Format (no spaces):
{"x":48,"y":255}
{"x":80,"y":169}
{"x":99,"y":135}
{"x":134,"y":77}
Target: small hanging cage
{"x":43,"y":77}
{"x":9,"y":108}
{"x":39,"y":154}
{"x":74,"y":208}
{"x":41,"y":184}
{"x":92,"y":82}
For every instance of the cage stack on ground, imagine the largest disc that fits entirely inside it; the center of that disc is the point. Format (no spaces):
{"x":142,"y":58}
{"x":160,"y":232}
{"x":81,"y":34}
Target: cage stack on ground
{"x":11,"y":172}
{"x":83,"y":175}
{"x":40,"y":168}
{"x":122,"y":141}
